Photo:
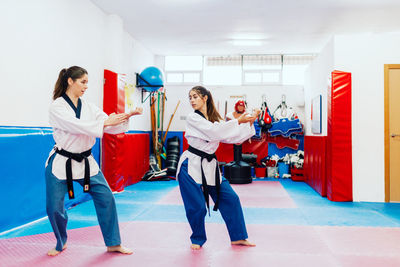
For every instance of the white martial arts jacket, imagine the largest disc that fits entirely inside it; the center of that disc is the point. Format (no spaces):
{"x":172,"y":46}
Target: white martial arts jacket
{"x":230,"y":116}
{"x":206,"y":136}
{"x":77,"y":135}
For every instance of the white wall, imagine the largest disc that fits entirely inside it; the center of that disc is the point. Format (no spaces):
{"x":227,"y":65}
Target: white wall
{"x":41,"y":37}
{"x":294,"y":98}
{"x":316,"y":83}
{"x":364,"y":55}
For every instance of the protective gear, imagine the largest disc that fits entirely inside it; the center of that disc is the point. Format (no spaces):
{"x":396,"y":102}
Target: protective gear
{"x":265,"y":118}
{"x":242,"y":104}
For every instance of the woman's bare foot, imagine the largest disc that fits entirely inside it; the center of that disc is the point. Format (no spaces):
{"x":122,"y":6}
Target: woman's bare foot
{"x":243,"y":243}
{"x":54,"y":252}
{"x":195,"y":247}
{"x":119,"y":249}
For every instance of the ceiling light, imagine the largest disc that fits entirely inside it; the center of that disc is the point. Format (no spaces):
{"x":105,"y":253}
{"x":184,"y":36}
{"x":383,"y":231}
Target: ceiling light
{"x":248,"y":36}
{"x":247,"y":42}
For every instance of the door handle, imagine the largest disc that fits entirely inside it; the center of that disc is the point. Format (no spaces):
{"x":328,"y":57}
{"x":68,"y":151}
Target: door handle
{"x":394,"y":135}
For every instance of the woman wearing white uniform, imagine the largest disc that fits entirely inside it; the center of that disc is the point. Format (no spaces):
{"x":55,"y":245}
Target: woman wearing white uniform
{"x":198,"y":172}
{"x":76,"y":124}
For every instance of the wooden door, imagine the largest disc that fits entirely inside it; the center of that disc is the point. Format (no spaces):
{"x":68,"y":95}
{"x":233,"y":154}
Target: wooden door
{"x":392,"y":133}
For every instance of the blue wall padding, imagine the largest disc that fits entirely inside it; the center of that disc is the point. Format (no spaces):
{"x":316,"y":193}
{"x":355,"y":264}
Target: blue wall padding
{"x":173,"y":134}
{"x":23,"y":153}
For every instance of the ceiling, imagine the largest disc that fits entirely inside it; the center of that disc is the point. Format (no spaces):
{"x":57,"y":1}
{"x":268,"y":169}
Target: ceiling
{"x":212,"y":27}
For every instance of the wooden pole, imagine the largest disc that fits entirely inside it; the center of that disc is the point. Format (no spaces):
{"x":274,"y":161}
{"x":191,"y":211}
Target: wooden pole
{"x":169,"y":123}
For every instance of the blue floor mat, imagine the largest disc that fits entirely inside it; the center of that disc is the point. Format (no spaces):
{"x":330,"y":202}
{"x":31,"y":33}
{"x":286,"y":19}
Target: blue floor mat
{"x":140,"y":202}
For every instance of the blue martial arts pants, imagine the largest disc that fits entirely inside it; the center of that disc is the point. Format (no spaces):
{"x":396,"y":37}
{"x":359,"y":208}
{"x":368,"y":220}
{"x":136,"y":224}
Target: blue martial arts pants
{"x":104,"y":203}
{"x":195,"y":207}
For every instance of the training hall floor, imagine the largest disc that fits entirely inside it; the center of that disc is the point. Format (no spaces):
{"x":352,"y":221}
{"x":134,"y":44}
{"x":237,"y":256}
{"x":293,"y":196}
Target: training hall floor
{"x":290,"y":223}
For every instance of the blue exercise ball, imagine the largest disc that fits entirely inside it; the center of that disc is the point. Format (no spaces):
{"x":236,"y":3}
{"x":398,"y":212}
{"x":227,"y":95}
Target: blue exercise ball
{"x":153,"y":76}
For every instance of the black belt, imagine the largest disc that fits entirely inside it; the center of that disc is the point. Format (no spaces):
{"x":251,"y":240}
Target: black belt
{"x":68,"y":168}
{"x":209,"y":157}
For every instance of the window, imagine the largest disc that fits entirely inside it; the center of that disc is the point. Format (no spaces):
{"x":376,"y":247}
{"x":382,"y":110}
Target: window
{"x":183,"y":69}
{"x":237,"y":69}
{"x":271,"y":77}
{"x":262,"y":69}
{"x":253,"y":77}
{"x":294,"y":67}
{"x":222,"y":70}
{"x":262,"y":77}
{"x":191,"y":77}
{"x":174,"y":77}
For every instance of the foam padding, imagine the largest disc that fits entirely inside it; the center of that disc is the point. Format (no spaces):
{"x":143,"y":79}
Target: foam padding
{"x":277,"y":245}
{"x":113,"y":161}
{"x":114,"y":93}
{"x":339,"y":141}
{"x":23,"y":190}
{"x":224,"y":152}
{"x":315,"y":162}
{"x":136,"y":157}
{"x":125,"y":159}
{"x":258,"y":147}
{"x":125,"y":156}
{"x":358,"y":240}
{"x":316,"y":232}
{"x":268,"y":194}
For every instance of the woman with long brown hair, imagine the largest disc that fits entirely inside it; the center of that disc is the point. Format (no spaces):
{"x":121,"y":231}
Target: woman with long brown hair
{"x":198,"y":173}
{"x":76,"y":124}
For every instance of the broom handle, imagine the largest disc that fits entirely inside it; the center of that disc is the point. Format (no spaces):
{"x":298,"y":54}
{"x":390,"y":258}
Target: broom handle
{"x":169,"y":123}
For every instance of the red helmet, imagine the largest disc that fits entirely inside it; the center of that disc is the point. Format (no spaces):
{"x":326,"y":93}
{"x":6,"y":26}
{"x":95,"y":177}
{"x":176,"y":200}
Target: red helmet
{"x":239,"y":103}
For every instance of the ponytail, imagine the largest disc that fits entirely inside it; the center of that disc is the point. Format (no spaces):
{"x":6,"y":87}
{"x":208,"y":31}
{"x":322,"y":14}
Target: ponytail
{"x":61,"y":86}
{"x":212,"y":112}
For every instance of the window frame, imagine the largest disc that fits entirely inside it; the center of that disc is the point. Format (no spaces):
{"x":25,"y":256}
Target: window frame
{"x":261,"y":71}
{"x":183,"y":72}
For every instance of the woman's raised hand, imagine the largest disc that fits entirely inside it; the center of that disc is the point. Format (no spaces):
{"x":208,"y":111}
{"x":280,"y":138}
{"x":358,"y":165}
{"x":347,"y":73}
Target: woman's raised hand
{"x":115,"y":119}
{"x":256,"y":112}
{"x":246,"y":117}
{"x":137,"y":111}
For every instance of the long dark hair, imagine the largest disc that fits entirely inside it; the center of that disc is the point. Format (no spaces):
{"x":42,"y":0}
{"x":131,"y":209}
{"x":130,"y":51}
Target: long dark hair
{"x":61,"y":86}
{"x":212,"y":112}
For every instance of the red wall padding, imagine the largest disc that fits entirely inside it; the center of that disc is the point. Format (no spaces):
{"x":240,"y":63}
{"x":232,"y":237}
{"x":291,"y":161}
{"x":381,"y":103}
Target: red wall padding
{"x":136,"y":157}
{"x":315,"y":162}
{"x":112,"y":163}
{"x":257,"y":147}
{"x":125,"y":157}
{"x":114,"y":97}
{"x":225,"y":153}
{"x":339,"y":152}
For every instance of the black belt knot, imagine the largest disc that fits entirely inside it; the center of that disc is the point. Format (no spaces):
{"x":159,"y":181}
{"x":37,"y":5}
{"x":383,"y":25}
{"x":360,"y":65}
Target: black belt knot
{"x":209,"y":157}
{"x":68,"y":169}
